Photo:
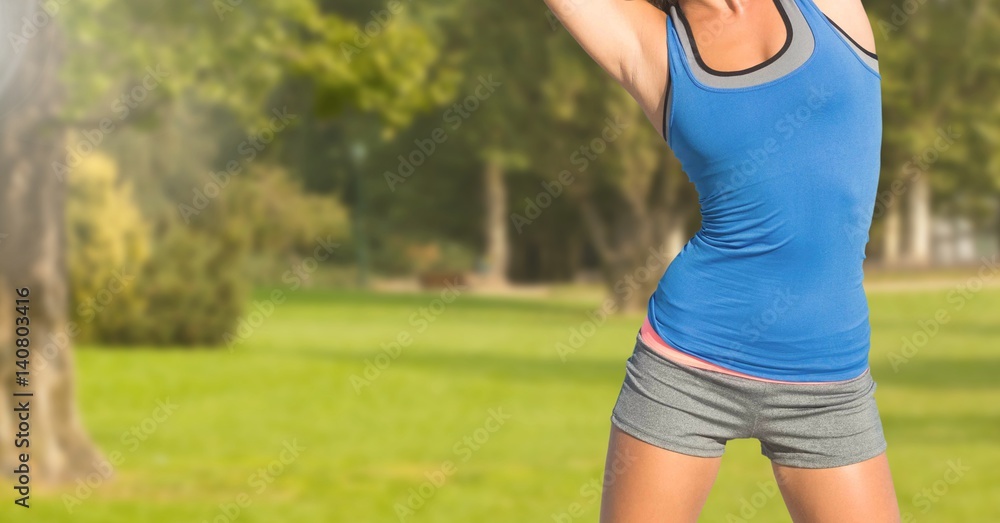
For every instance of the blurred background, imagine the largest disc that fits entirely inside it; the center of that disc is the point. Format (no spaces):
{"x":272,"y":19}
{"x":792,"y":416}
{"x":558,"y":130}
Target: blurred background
{"x":366,"y":261}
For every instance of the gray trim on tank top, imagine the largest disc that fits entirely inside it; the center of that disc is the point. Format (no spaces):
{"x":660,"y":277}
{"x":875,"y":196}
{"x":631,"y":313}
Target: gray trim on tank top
{"x":797,"y":50}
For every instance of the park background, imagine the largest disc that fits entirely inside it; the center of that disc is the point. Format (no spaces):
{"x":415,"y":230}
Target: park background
{"x":363,"y":261}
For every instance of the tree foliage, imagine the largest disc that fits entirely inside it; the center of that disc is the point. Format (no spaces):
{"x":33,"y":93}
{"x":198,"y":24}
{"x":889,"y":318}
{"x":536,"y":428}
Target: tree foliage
{"x":235,"y":54}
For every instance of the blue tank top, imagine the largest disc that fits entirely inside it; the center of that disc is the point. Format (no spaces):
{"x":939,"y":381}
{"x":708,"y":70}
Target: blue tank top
{"x":785,"y":157}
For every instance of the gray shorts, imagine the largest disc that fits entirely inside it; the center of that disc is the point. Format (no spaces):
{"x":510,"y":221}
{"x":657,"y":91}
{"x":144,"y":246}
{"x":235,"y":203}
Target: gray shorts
{"x":696,"y":411}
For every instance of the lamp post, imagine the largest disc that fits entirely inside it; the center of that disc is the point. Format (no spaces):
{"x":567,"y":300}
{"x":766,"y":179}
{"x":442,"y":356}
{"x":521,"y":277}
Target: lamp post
{"x":359,"y":152}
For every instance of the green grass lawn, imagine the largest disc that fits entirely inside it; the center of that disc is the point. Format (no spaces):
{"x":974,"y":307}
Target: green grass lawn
{"x":425,"y":416}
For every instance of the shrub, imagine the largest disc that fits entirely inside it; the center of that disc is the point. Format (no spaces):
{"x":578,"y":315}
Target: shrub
{"x":107,"y":242}
{"x":177,"y":284}
{"x":133,"y":285}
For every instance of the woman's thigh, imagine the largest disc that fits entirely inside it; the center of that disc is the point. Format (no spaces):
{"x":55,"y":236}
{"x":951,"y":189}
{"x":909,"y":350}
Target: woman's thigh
{"x":645,"y":484}
{"x":862,"y":493}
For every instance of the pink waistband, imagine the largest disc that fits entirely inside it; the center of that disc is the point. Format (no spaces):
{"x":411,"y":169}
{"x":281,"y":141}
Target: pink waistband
{"x":653,"y":340}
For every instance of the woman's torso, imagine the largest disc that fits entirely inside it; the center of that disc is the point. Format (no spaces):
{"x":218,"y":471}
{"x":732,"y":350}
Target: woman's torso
{"x":785,"y":158}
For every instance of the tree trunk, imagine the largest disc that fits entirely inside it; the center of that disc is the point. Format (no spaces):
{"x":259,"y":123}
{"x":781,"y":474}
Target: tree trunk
{"x":996,"y":231}
{"x":919,"y":226}
{"x":497,"y":242}
{"x":33,"y":256}
{"x":676,"y":237}
{"x":648,"y":230}
{"x":893,"y":237}
{"x":632,"y":267}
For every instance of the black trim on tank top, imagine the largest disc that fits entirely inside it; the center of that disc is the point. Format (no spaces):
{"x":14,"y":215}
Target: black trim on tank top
{"x":765,"y":63}
{"x":666,"y":107}
{"x":856,"y":44}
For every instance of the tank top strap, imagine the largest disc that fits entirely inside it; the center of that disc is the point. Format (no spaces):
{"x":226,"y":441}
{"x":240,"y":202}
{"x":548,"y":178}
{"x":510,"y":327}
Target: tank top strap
{"x":676,"y":50}
{"x":809,"y":10}
{"x":677,"y":72}
{"x":834,"y":36}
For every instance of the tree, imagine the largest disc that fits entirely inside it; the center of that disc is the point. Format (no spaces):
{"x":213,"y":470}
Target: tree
{"x":503,"y":47}
{"x":636,"y":205}
{"x":33,"y":257}
{"x":942,"y":124}
{"x":224,"y":53}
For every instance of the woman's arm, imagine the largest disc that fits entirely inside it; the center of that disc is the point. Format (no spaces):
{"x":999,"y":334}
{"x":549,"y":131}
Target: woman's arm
{"x":628,"y":39}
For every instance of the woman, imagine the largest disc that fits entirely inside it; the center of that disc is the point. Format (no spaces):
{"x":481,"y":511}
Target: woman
{"x":759,"y":328}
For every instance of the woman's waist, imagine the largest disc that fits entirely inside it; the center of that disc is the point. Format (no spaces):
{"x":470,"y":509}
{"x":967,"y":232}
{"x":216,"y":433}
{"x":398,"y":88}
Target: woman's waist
{"x":703,"y":271}
{"x":655,"y":342}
